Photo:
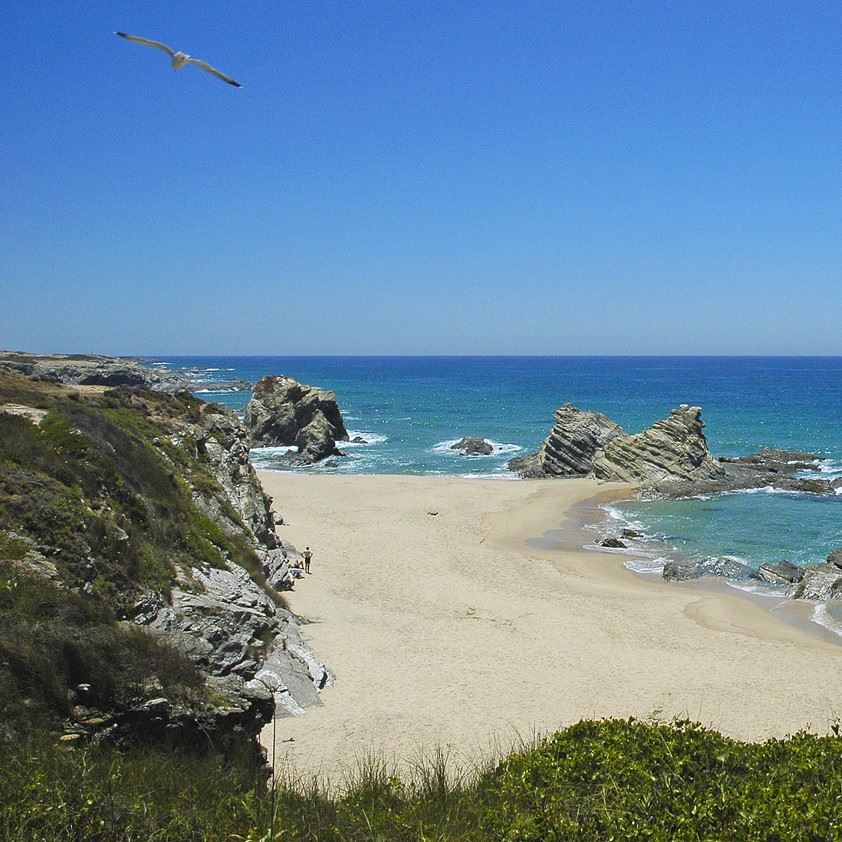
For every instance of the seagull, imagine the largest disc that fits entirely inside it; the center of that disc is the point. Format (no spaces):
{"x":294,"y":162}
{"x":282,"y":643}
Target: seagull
{"x":179,"y":59}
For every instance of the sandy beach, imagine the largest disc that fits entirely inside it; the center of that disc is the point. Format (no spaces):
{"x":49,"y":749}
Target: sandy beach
{"x":451,"y":630}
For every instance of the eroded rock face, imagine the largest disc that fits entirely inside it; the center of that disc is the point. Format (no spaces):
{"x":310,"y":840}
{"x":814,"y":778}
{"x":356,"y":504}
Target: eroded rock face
{"x":672,"y":449}
{"x":284,"y":412}
{"x":822,"y":582}
{"x":577,"y":435}
{"x":782,"y":573}
{"x":216,"y":602}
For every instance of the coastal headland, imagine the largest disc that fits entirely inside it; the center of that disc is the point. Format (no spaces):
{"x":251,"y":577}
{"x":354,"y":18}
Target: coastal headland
{"x":450,"y":628}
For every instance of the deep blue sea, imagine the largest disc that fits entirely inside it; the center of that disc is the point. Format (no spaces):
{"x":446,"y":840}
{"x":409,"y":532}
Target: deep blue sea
{"x":410,"y":409}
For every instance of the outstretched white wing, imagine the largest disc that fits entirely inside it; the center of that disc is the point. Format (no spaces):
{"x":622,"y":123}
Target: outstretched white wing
{"x":219,"y":75}
{"x":146,"y":42}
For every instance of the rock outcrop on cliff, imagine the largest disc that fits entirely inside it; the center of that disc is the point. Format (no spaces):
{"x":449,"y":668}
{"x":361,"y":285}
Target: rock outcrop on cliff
{"x":93,"y":370}
{"x":284,"y":412}
{"x":568,"y":451}
{"x":135,"y":523}
{"x":672,"y":449}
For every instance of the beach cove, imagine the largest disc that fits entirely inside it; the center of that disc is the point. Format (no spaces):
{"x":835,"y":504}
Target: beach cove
{"x":449,"y":626}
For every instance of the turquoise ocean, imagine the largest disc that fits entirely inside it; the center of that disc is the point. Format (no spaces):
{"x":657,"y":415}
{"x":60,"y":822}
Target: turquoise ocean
{"x":410,"y":409}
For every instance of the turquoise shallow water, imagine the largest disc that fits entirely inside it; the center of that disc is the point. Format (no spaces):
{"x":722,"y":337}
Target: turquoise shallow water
{"x":409,"y":409}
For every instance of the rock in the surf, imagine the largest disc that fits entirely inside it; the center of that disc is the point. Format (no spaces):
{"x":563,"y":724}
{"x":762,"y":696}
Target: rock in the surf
{"x":782,"y":573}
{"x":823,"y":581}
{"x":681,"y":571}
{"x":284,"y":412}
{"x":473,"y":446}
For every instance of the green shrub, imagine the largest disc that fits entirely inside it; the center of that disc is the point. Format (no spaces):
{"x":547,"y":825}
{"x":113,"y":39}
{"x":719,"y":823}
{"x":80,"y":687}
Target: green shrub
{"x":606,"y":780}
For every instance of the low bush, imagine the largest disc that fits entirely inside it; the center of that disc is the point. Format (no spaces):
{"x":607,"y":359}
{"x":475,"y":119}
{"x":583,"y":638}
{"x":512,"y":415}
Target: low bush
{"x":605,"y":780}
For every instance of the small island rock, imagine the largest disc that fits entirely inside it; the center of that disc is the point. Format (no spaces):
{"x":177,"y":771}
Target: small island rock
{"x":473,"y":446}
{"x":284,"y":412}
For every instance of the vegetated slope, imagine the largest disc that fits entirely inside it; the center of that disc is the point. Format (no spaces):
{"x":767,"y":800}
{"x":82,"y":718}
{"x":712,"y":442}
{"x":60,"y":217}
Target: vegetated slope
{"x":607,"y":780}
{"x":111,"y":502}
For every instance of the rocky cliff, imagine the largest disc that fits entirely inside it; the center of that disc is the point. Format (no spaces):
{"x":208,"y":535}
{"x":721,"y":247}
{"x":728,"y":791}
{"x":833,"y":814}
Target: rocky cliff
{"x":672,"y":449}
{"x":92,"y":370}
{"x":284,"y":412}
{"x":140,"y":573}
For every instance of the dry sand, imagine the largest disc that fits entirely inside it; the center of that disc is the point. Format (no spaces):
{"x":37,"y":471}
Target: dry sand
{"x":451,"y":631}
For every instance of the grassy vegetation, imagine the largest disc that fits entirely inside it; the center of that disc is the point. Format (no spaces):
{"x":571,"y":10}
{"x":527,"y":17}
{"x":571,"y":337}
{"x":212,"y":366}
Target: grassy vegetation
{"x":96,"y":508}
{"x":608,"y":780}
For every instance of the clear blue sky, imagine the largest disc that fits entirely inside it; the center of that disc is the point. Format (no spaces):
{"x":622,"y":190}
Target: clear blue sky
{"x":455,"y":178}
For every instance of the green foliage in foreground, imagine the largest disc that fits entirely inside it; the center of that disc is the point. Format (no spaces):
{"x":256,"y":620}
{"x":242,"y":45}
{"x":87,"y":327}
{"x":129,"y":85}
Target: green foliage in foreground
{"x":607,"y":780}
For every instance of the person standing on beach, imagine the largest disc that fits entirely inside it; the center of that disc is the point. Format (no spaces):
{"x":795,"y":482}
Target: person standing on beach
{"x":308,"y":554}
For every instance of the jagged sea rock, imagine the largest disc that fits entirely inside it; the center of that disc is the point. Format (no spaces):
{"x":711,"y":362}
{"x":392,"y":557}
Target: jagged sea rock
{"x":612,"y":543}
{"x":821,"y":582}
{"x":782,"y":573}
{"x":725,"y":566}
{"x":473,"y":446}
{"x":284,"y":412}
{"x":672,"y":449}
{"x":570,"y":447}
{"x":681,"y":570}
{"x":835,"y":557}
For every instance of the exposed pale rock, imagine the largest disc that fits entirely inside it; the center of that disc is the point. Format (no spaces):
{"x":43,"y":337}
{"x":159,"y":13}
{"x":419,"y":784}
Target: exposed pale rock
{"x":92,"y":370}
{"x":823,"y":581}
{"x":725,"y":566}
{"x":672,"y":449}
{"x":569,"y":449}
{"x":681,"y":571}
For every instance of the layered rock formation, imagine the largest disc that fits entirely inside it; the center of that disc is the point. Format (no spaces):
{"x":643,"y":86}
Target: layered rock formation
{"x":284,"y":412}
{"x":569,"y":449}
{"x":672,"y":449}
{"x":670,"y":458}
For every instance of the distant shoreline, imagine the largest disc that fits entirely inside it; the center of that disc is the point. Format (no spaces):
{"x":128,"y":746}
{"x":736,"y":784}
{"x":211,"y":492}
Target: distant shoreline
{"x":445,"y":627}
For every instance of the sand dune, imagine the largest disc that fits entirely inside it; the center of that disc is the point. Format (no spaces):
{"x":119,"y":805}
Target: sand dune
{"x":452,"y":631}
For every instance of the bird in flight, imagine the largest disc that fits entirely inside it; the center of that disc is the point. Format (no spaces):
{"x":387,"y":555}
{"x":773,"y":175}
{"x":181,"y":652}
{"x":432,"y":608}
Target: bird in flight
{"x":179,"y":59}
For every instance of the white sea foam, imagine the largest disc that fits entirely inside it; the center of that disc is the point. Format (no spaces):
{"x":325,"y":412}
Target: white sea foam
{"x":370,"y":438}
{"x":498,"y":449}
{"x":823,"y":616}
{"x":269,"y":452}
{"x":826,"y":469}
{"x":504,"y":475}
{"x":755,"y":587}
{"x":645,"y":565}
